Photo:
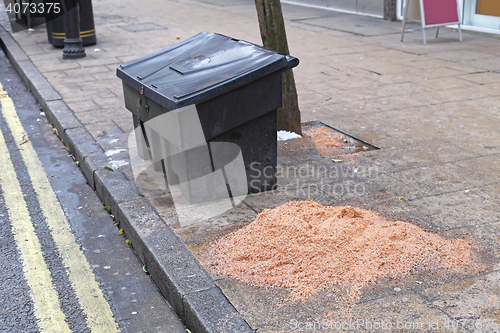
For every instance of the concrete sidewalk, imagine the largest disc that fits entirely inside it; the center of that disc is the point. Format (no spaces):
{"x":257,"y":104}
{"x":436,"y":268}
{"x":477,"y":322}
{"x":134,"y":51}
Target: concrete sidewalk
{"x":433,"y":110}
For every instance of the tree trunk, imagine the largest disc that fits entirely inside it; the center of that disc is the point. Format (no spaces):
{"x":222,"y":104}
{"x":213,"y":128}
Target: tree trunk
{"x":272,"y":31}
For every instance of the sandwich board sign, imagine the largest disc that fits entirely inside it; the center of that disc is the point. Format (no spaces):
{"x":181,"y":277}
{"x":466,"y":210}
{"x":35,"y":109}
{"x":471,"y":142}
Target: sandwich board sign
{"x":432,"y":13}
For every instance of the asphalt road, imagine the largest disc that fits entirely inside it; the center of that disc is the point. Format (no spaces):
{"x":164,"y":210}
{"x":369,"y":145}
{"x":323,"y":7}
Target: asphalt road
{"x":64,"y":266}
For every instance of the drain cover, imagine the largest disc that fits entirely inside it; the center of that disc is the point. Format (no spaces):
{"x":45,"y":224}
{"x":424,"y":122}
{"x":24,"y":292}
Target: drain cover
{"x":148,"y":26}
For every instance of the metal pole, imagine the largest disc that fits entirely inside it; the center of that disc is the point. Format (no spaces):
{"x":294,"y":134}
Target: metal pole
{"x":422,"y":20}
{"x":405,"y":17}
{"x":73,"y":44}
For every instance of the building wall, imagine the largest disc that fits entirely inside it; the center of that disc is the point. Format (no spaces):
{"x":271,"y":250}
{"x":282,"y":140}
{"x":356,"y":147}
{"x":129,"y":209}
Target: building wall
{"x":372,"y":7}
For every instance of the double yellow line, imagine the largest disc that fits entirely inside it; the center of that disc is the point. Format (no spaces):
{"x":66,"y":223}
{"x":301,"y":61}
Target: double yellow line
{"x":45,"y":299}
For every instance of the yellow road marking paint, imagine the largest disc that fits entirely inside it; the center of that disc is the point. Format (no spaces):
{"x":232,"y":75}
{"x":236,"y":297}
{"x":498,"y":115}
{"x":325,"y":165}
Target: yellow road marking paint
{"x":61,"y":35}
{"x":44,"y":296}
{"x":94,"y":305}
{"x":81,"y":32}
